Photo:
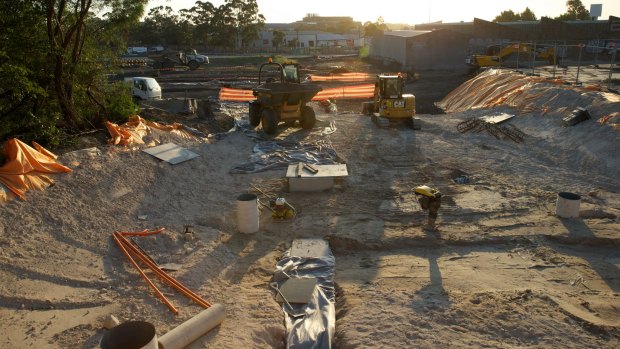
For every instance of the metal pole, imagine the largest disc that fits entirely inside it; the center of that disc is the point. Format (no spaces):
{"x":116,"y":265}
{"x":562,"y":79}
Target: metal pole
{"x":578,"y":64}
{"x":555,"y":58}
{"x":518,"y":52}
{"x":533,"y":58}
{"x":611,"y":67}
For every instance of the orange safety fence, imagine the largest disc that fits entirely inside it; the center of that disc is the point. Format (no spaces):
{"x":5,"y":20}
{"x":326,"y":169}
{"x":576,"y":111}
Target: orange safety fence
{"x":236,"y":95}
{"x":136,"y":128}
{"x":27,"y":168}
{"x":344,"y":77}
{"x":350,"y":92}
{"x":347,"y":92}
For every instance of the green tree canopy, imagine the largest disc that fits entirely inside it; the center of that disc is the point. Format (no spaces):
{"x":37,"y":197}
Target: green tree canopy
{"x":54,"y":55}
{"x":377,"y":28}
{"x":278,"y":38}
{"x":511,"y":16}
{"x":574,"y":10}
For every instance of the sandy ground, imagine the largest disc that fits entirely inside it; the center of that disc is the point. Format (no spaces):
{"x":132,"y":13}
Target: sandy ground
{"x":502,"y":271}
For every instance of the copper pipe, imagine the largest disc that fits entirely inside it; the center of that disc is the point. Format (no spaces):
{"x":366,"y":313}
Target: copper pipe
{"x":162,"y":274}
{"x":148,"y":281}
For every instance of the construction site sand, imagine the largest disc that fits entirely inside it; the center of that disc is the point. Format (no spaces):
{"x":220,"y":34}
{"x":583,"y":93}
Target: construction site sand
{"x":502,"y":271}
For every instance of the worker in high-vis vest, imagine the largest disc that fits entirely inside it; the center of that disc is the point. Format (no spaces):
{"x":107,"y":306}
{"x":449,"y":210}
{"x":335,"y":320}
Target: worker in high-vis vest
{"x":430,"y":199}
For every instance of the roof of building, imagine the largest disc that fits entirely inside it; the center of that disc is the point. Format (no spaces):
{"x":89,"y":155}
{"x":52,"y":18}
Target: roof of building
{"x":406,"y":33}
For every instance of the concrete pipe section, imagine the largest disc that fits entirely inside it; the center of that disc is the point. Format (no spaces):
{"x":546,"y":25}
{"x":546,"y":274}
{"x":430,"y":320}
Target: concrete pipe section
{"x":194,"y":328}
{"x":131,"y":335}
{"x":247,"y":213}
{"x":567,"y":205}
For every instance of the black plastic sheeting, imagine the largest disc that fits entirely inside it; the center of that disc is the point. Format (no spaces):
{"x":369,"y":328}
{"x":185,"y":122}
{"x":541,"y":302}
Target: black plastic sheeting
{"x":315,"y":329}
{"x":275,"y":155}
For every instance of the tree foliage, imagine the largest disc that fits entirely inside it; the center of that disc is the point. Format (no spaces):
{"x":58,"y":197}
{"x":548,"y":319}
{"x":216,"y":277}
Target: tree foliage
{"x":511,"y":16}
{"x":375,"y":29}
{"x":232,"y":24}
{"x":279,"y":38}
{"x":54,"y":55}
{"x":574,"y":10}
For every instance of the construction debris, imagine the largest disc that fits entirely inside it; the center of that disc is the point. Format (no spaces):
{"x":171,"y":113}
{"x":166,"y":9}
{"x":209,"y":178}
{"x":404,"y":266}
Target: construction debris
{"x":500,"y":132}
{"x":171,"y":153}
{"x":26,"y":168}
{"x":272,"y":155}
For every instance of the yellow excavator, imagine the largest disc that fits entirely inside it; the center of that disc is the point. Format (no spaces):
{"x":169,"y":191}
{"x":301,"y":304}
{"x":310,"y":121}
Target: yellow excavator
{"x":390,"y":104}
{"x":497,"y":54}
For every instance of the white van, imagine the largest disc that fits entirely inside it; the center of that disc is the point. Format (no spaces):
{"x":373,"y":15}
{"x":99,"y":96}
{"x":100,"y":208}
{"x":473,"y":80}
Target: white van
{"x":144,"y":88}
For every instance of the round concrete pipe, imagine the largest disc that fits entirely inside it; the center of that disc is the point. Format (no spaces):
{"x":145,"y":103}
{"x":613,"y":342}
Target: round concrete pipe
{"x":131,"y":335}
{"x":194,"y":328}
{"x":567,"y":205}
{"x":247,"y":213}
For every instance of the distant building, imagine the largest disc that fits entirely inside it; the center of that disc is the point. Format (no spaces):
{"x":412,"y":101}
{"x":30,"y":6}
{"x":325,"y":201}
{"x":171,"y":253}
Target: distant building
{"x":421,"y":50}
{"x":446,"y":45}
{"x":305,"y":39}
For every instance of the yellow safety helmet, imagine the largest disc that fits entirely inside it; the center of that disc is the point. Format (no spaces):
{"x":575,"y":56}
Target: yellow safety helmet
{"x":427,"y":191}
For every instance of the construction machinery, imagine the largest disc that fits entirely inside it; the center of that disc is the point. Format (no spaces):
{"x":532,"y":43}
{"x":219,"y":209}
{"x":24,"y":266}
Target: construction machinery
{"x":282,"y":98}
{"x":189,"y":58}
{"x":390,"y":104}
{"x":497,"y":54}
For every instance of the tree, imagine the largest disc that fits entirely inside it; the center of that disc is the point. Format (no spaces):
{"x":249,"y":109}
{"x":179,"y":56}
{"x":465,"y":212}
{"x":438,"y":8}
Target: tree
{"x":244,"y":17}
{"x":53,"y":58}
{"x":528,"y":15}
{"x":507,"y":16}
{"x":574,"y":10}
{"x":278,"y":38}
{"x":510,"y":16}
{"x":375,"y":29}
{"x":163,"y":23}
{"x":201,"y":15}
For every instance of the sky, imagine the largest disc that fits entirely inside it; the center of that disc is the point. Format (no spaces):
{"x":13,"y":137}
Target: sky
{"x":403,"y":11}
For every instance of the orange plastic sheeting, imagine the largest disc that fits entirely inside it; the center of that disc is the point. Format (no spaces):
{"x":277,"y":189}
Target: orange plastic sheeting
{"x":27,"y":168}
{"x":344,"y":77}
{"x":352,"y":92}
{"x":500,"y":87}
{"x":136,"y":128}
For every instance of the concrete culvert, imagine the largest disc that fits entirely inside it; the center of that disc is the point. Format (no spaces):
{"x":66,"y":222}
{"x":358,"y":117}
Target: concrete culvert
{"x":131,"y":335}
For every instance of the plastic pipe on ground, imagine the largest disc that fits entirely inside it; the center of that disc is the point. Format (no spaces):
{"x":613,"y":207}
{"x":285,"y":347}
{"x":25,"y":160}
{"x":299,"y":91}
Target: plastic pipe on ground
{"x":247,"y":213}
{"x":148,"y":281}
{"x":192,"y":329}
{"x":567,"y":205}
{"x":163,"y":275}
{"x":144,"y":232}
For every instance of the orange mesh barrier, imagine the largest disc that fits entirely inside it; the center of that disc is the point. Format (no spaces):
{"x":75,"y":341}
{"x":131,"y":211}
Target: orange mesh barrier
{"x":344,"y":77}
{"x":26,"y":168}
{"x":350,"y":92}
{"x":237,"y":95}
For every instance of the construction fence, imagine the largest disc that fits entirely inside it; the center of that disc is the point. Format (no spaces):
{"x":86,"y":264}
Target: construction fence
{"x":599,"y":53}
